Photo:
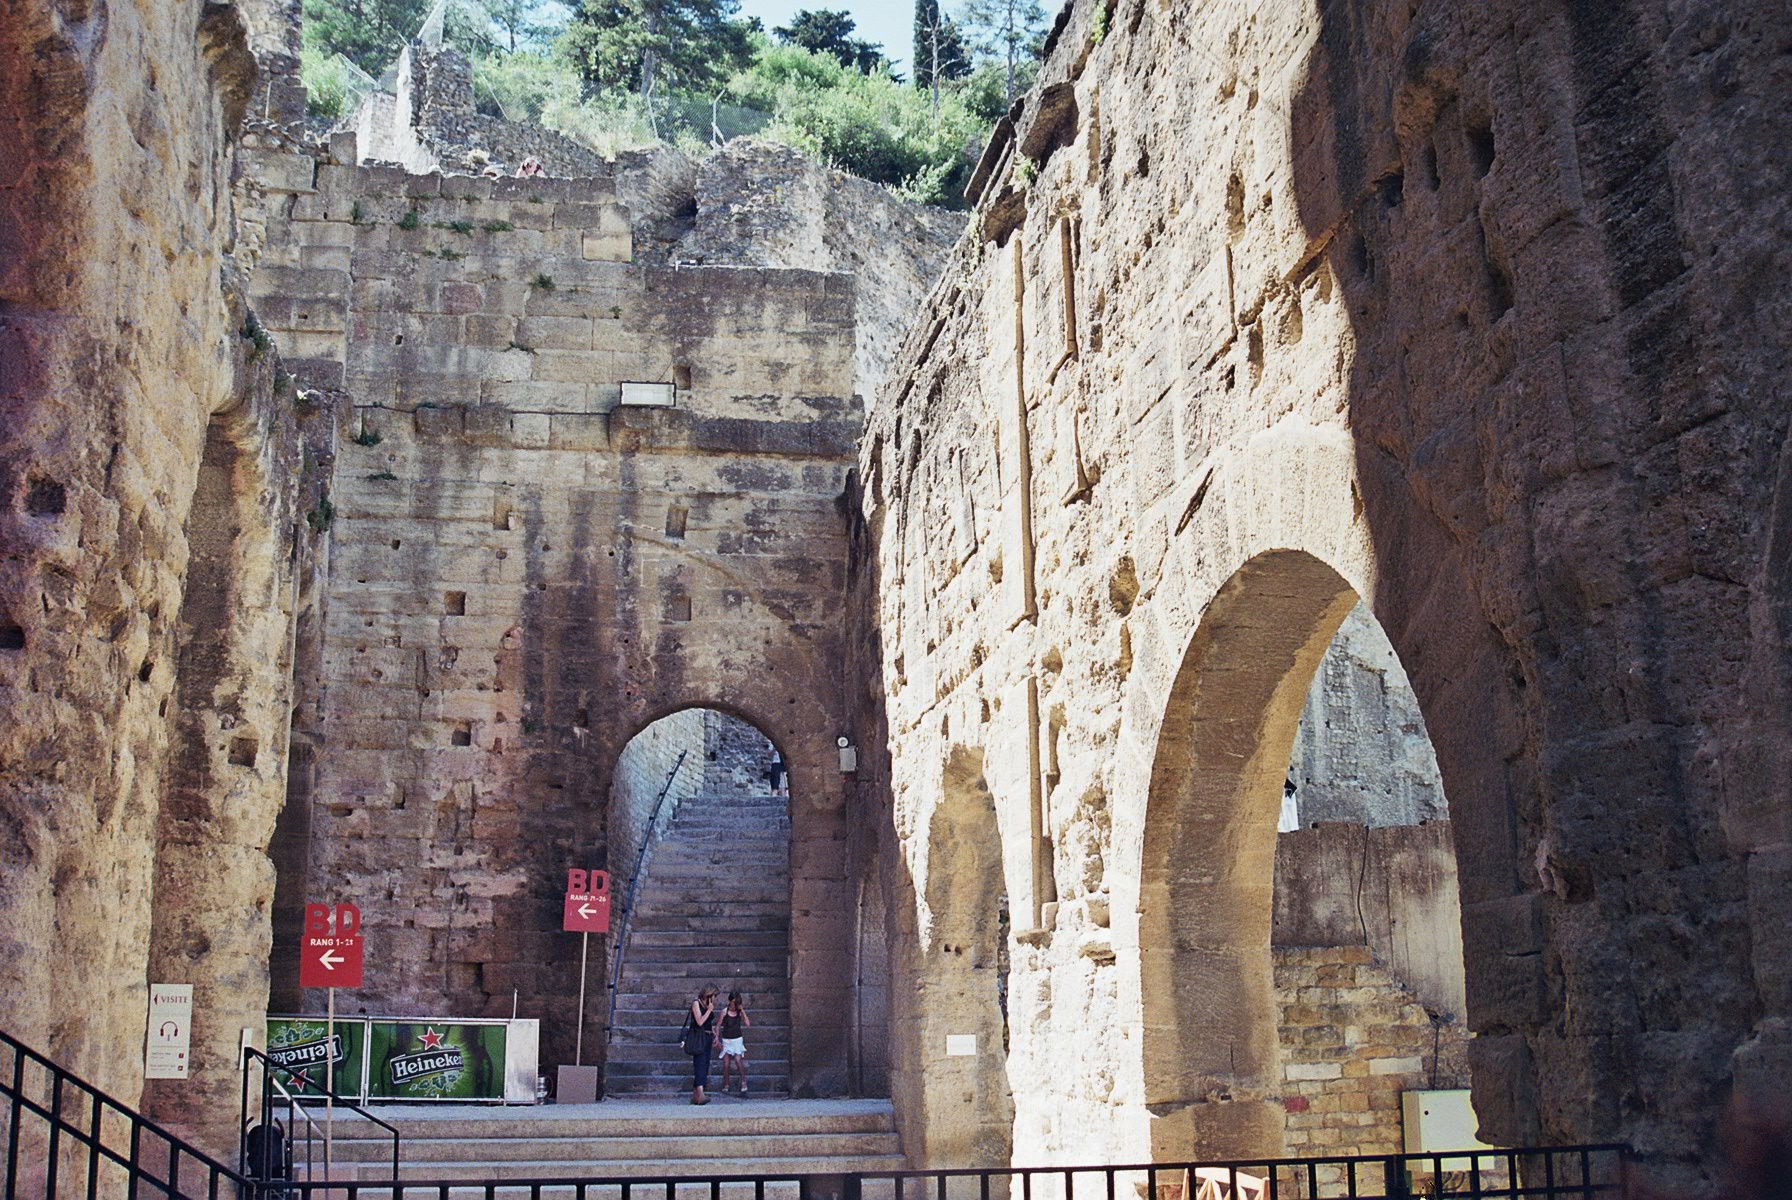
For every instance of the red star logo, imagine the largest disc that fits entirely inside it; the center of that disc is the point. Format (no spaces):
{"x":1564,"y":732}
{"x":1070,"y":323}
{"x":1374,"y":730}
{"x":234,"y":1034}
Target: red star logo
{"x":430,"y":1039}
{"x":303,"y":1079}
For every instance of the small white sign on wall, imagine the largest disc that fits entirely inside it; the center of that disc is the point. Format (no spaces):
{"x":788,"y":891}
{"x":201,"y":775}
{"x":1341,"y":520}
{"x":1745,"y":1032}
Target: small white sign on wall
{"x":648,"y":395}
{"x":170,"y":1031}
{"x":960,"y":1045}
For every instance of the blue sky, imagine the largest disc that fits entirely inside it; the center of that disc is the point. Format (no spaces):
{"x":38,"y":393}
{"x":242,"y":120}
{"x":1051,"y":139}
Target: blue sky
{"x":888,"y":22}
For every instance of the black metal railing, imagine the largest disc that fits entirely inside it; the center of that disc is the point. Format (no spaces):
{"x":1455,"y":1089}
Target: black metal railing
{"x":272,"y":1074}
{"x":1552,"y":1173}
{"x":66,"y":1138}
{"x":1546,"y":1173}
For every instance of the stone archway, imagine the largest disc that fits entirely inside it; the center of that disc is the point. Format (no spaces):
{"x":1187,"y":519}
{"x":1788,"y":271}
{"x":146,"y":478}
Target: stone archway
{"x":954,"y":1037}
{"x":1208,"y":869}
{"x":698,"y":829}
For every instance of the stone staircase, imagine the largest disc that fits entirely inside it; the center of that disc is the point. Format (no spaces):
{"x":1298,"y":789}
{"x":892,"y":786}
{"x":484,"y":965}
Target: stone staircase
{"x":713,"y":908}
{"x":634,"y":1139}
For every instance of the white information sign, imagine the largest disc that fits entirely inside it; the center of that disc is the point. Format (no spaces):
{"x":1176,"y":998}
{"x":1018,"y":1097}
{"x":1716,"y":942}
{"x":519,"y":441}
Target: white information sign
{"x":170,"y":1030}
{"x":959,"y":1045}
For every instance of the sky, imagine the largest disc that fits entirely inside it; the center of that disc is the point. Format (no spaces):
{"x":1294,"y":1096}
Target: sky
{"x":889,"y":23}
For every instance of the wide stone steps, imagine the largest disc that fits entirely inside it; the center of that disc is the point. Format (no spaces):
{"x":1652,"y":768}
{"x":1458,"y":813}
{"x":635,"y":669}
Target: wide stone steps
{"x":631,"y":1139}
{"x":713,"y":908}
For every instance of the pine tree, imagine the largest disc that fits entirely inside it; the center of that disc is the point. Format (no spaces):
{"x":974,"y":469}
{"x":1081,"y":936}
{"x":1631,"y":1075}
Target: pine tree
{"x":691,"y":45}
{"x":1010,"y":30}
{"x":521,"y":23}
{"x":829,"y":31}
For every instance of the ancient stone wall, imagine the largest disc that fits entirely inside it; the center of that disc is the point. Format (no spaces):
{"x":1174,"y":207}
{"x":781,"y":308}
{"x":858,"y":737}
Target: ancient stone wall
{"x":1392,"y":889}
{"x":530,"y":565}
{"x":151,"y":482}
{"x":1352,"y":1040}
{"x":1452,"y":309}
{"x":1362,"y":753}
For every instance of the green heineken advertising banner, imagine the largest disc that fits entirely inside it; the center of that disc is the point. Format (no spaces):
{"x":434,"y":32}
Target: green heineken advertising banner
{"x":436,"y":1060}
{"x":299,"y":1045}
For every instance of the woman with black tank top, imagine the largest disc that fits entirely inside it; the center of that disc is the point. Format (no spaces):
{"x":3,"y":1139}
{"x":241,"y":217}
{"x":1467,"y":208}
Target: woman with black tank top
{"x":733,"y":1032}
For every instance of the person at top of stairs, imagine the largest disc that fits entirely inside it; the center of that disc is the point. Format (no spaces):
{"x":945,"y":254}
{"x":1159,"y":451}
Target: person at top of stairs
{"x":701,"y":1040}
{"x":733,"y":1034}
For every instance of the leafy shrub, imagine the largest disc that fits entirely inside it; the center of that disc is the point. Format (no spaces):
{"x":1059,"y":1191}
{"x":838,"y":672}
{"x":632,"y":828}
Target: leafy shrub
{"x":328,"y":91}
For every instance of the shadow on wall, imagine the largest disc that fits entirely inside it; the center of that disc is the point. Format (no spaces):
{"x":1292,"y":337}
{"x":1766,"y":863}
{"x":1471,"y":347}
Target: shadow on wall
{"x":1523,"y":439}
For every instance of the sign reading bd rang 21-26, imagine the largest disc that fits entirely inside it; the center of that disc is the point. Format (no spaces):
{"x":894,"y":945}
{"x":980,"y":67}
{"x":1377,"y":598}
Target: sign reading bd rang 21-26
{"x":587,"y":902}
{"x":330,"y":947}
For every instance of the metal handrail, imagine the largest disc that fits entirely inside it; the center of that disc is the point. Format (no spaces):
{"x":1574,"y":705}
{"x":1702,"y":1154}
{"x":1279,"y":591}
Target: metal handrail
{"x":648,"y":838}
{"x":250,"y":1054}
{"x":139,"y":1135}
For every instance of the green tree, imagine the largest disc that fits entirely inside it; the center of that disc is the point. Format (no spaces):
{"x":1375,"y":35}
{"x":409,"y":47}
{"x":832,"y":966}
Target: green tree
{"x":829,"y":31}
{"x":370,"y":33}
{"x":689,"y":45}
{"x":1012,"y":31}
{"x":939,"y":49}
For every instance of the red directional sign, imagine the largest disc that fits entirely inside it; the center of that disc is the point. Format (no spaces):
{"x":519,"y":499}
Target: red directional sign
{"x":330,"y":948}
{"x":587,"y":902}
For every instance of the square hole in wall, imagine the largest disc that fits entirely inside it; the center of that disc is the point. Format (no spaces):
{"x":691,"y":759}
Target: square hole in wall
{"x":455,"y":604}
{"x":462,"y":735}
{"x":11,"y":636}
{"x":581,"y":719}
{"x":681,"y":378}
{"x":677,"y":518}
{"x":45,"y":498}
{"x":242,"y":751}
{"x":678,"y":608}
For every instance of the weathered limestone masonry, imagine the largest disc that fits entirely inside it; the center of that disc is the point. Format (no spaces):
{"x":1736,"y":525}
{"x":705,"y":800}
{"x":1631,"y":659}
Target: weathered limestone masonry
{"x":527,"y":569}
{"x":1469,"y":311}
{"x":151,"y":491}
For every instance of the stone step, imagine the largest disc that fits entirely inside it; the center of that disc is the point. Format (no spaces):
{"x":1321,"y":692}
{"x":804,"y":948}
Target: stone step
{"x":609,"y":1168}
{"x":772,"y":1051}
{"x":696,"y":957}
{"x":645,"y":939}
{"x":655,"y":1150}
{"x":632,"y":1120}
{"x":710,"y":923}
{"x":689,"y":907}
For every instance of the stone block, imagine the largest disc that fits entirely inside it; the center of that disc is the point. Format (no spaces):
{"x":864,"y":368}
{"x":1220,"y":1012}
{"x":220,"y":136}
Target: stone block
{"x":607,"y":247}
{"x":555,"y":333}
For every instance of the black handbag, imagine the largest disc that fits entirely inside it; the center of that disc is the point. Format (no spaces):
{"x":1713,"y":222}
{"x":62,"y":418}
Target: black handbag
{"x":691,"y":1038}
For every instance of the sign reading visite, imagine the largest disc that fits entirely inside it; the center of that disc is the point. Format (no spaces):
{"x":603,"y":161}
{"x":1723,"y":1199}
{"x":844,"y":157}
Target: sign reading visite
{"x":170,"y":1031}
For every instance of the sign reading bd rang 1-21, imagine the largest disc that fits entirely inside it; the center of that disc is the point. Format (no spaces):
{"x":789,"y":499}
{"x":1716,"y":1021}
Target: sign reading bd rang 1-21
{"x":330,"y":947}
{"x":587,"y":902}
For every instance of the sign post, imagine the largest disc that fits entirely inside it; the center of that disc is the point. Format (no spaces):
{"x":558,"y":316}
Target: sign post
{"x":586,"y":911}
{"x":330,"y":957}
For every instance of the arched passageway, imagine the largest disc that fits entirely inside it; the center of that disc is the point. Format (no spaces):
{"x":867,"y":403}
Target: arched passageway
{"x":699,"y":836}
{"x":954,"y":1033}
{"x":1289,"y":982}
{"x":1367,"y":931}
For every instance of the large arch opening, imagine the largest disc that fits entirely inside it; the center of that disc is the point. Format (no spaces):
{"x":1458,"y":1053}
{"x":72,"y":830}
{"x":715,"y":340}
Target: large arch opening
{"x":1367,"y":932}
{"x":951,"y":1068}
{"x":1260,"y":949}
{"x":698,"y":828}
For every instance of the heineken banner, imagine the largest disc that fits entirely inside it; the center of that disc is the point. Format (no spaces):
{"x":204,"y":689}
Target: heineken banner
{"x":435,"y":1060}
{"x":300,"y":1045}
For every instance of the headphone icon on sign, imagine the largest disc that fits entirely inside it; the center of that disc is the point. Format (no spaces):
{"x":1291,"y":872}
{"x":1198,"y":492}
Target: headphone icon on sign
{"x":169,"y":1030}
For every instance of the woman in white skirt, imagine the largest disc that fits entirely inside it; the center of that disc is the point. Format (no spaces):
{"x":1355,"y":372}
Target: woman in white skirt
{"x":733,"y":1031}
